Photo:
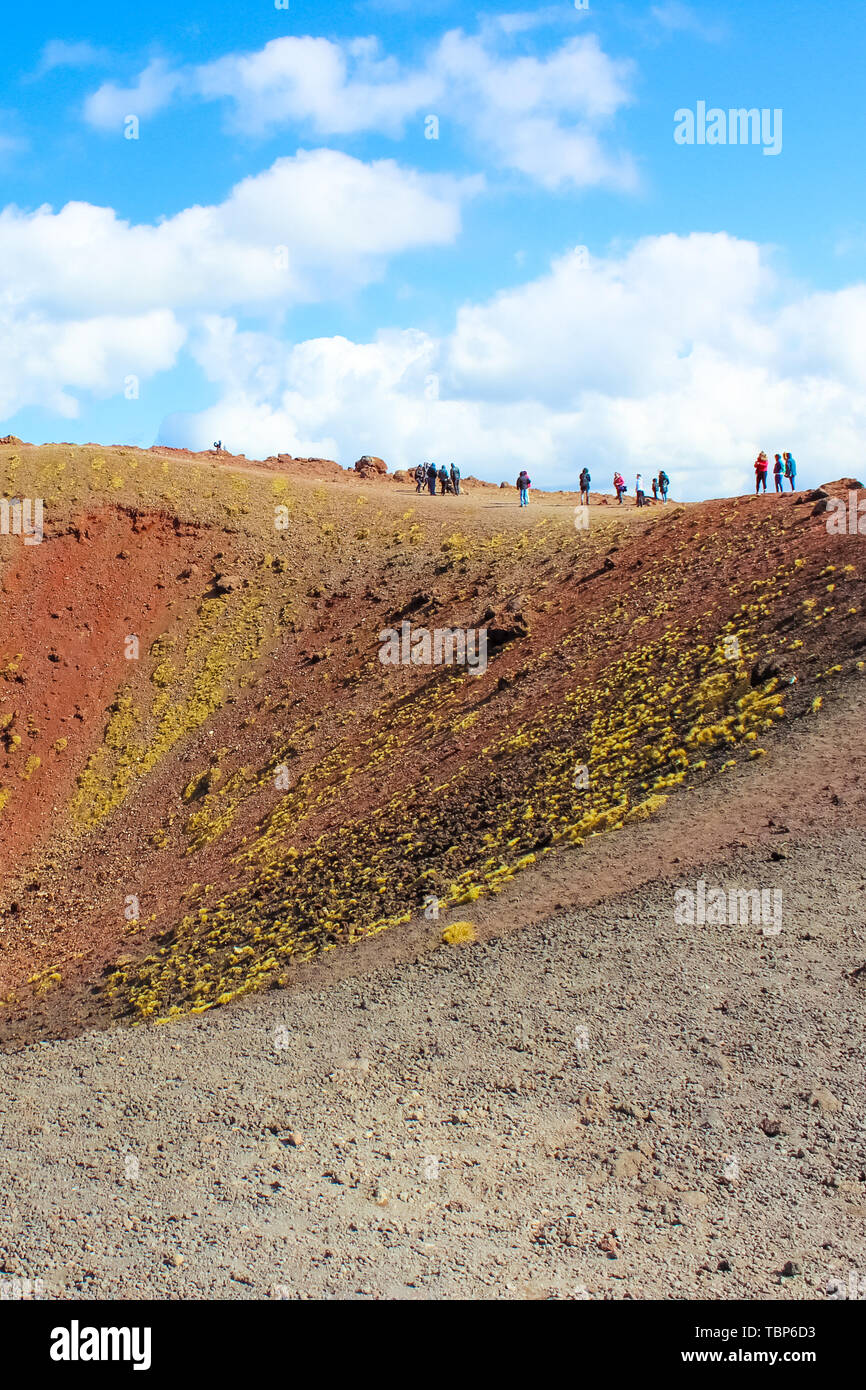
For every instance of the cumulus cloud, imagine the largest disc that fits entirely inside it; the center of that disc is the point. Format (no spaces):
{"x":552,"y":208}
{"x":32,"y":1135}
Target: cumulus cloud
{"x":542,"y":116}
{"x":681,"y":353}
{"x":110,"y":104}
{"x":43,"y":361}
{"x":334,"y":89}
{"x":310,"y":226}
{"x":612,"y":325}
{"x":306,"y":229}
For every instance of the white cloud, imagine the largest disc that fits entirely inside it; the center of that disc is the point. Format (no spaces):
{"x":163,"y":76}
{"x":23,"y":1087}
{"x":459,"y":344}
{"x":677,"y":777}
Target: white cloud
{"x":323,"y":397}
{"x":58,"y":53}
{"x":44,"y":360}
{"x":334,"y":89}
{"x":676,"y":17}
{"x":311,"y":226}
{"x":678,"y":353}
{"x":83,"y":293}
{"x":109,"y":105}
{"x":522,"y":21}
{"x":541,"y":116}
{"x":611,"y":326}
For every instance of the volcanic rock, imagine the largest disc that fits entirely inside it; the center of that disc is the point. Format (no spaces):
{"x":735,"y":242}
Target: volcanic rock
{"x":369,"y":466}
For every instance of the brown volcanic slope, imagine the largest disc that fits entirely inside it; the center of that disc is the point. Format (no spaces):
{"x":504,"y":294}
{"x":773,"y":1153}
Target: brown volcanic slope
{"x":255,"y":787}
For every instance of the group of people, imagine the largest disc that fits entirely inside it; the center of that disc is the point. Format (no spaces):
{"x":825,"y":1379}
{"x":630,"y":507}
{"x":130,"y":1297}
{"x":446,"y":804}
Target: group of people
{"x":785,"y":466}
{"x":427,"y":475}
{"x":659,"y":484}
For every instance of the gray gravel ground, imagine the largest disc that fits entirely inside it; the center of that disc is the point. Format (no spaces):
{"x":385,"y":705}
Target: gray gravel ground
{"x":608,"y":1105}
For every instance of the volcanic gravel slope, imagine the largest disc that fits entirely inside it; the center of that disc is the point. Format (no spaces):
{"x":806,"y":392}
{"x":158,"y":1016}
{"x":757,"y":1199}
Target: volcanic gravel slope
{"x":604,"y":1105}
{"x":252,"y":788}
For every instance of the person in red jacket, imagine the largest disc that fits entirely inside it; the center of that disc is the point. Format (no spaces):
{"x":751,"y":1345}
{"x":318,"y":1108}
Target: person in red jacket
{"x":619,"y":486}
{"x":761,"y":464}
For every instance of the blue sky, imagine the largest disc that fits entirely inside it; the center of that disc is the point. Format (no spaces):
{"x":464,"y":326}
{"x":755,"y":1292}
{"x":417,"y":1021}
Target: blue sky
{"x":283,"y":260}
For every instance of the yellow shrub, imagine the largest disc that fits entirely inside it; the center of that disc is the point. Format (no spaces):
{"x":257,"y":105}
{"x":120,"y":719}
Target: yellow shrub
{"x":458,"y":934}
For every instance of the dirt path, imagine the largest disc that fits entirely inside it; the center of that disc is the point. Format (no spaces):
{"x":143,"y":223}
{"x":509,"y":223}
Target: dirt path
{"x":473,"y":499}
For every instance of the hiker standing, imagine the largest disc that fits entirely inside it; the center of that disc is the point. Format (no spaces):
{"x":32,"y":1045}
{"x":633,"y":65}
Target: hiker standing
{"x":791,"y":469}
{"x":777,"y":473}
{"x":619,"y":486}
{"x":664,"y":484}
{"x":585,"y":481}
{"x":420,"y":476}
{"x":524,"y":483}
{"x":444,"y":484}
{"x":431,"y":479}
{"x":638,"y":490}
{"x":761,"y":466}
{"x":455,"y":480}
{"x":655,"y":489}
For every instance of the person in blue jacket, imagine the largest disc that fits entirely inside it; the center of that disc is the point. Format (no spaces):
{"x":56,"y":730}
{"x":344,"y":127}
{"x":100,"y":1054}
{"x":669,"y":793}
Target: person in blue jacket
{"x":790,"y":469}
{"x":455,"y":480}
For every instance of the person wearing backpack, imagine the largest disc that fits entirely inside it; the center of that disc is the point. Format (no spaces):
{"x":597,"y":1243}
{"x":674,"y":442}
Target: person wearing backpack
{"x":524,"y":483}
{"x":444,"y":483}
{"x":619,"y":486}
{"x":585,"y":481}
{"x":455,"y":480}
{"x":431,"y":479}
{"x":420,"y":476}
{"x":777,"y":473}
{"x":664,"y":484}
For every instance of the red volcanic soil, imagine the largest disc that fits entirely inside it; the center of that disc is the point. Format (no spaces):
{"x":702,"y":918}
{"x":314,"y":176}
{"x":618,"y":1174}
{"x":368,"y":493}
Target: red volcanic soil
{"x":551,"y":593}
{"x":68,"y":606}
